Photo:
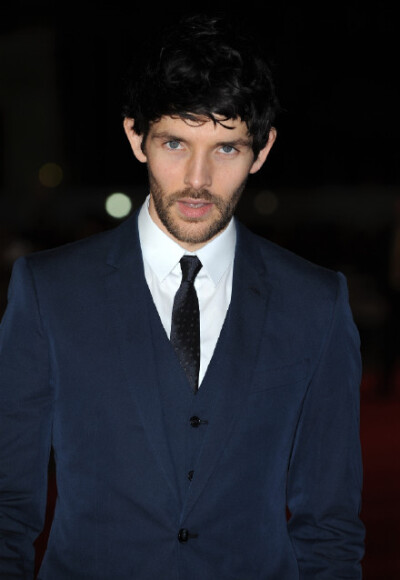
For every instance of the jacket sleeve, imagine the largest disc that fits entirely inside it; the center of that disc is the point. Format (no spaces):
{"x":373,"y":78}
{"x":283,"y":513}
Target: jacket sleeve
{"x":325,"y":471}
{"x":25,"y":426}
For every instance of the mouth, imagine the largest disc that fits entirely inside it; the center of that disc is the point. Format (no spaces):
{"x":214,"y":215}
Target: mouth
{"x":198,"y":204}
{"x":194,"y":208}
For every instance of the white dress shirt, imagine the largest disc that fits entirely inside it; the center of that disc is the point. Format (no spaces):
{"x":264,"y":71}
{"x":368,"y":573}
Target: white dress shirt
{"x":213,"y":283}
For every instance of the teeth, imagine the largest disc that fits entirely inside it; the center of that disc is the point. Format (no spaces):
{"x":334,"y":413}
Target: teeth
{"x":195,"y":205}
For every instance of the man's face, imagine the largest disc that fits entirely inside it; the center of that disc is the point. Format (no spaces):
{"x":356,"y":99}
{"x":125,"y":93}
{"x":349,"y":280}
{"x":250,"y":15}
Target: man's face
{"x":197,"y":172}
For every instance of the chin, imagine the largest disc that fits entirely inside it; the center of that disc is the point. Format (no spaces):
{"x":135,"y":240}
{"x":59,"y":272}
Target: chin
{"x":194,"y":235}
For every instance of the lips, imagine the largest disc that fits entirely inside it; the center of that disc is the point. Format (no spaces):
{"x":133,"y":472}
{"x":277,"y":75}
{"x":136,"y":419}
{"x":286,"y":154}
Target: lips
{"x":194,"y":208}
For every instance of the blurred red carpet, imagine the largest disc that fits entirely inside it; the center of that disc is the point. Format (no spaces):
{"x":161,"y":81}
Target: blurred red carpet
{"x":380,"y":437}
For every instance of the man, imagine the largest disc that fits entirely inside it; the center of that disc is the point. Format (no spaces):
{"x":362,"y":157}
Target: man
{"x":236,"y":460}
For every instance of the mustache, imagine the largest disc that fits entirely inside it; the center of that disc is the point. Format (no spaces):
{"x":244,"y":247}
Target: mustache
{"x":203,"y":194}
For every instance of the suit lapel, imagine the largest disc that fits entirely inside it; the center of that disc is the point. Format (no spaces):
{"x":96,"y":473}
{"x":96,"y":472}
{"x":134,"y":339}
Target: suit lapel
{"x":230,"y":370}
{"x":130,"y":301}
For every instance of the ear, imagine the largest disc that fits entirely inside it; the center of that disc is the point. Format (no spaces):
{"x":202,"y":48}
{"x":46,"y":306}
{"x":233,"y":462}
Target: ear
{"x":134,"y":139}
{"x":262,"y":156}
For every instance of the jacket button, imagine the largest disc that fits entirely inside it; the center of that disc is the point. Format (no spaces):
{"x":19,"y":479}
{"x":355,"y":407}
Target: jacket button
{"x":196,"y":422}
{"x":183,"y":535}
{"x":190,"y":475}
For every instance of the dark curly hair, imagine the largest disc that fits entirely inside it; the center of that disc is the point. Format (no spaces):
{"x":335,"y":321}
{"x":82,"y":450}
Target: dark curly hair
{"x":203,"y":68}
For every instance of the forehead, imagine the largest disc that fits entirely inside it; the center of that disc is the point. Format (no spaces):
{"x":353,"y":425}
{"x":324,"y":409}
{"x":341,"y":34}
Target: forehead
{"x":201,"y":128}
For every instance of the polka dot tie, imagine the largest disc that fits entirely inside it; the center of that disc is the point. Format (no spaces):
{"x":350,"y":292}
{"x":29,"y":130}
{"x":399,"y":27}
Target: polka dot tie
{"x":185,"y":327}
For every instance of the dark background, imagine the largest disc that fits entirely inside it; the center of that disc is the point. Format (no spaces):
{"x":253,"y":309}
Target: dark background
{"x":330,"y":190}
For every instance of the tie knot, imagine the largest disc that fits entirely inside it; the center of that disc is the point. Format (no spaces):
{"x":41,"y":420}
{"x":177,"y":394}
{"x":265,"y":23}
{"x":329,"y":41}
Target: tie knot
{"x":190,"y":266}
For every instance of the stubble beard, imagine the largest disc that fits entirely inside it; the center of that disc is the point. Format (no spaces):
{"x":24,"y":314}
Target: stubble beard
{"x":193,"y":230}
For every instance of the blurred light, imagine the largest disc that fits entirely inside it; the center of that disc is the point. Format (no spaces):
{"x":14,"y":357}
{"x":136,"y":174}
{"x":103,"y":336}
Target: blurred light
{"x":50,"y":175}
{"x":266,"y":202}
{"x":15,"y":249}
{"x":118,"y":205}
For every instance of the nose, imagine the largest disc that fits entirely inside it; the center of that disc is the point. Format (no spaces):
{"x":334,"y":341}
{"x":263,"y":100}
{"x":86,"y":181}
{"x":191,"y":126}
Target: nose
{"x":198,"y":172}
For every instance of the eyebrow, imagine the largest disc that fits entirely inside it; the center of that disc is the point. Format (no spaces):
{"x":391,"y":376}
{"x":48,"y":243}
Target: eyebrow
{"x":235,"y":143}
{"x":166,"y":136}
{"x":240,"y":142}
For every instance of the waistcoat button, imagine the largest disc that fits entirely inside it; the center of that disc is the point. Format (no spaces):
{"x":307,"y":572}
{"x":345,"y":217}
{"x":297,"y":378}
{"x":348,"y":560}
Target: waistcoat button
{"x":196,"y":422}
{"x":183,"y":535}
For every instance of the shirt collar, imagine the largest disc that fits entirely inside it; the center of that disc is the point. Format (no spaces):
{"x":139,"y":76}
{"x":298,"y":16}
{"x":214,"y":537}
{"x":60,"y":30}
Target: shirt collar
{"x":163,"y":254}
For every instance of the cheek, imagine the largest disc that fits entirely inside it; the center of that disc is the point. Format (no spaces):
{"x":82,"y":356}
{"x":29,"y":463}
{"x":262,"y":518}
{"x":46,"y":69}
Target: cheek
{"x":168,"y":176}
{"x":229,"y":179}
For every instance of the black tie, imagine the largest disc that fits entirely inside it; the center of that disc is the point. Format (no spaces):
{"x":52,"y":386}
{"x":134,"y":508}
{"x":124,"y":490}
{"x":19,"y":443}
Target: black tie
{"x":185,"y":327}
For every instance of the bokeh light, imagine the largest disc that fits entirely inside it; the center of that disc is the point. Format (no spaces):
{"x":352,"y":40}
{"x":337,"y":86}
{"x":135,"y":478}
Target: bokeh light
{"x":118,"y":205}
{"x":265,"y":202}
{"x":50,"y":175}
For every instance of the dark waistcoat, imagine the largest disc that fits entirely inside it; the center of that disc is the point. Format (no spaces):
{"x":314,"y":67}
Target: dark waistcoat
{"x":185,"y":414}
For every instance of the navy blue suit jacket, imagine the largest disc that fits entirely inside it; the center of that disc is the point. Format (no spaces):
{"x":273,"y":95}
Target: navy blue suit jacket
{"x":87,"y":368}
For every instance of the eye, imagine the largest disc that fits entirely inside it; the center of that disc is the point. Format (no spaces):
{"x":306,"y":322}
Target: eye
{"x":173,"y":145}
{"x":228,"y":149}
